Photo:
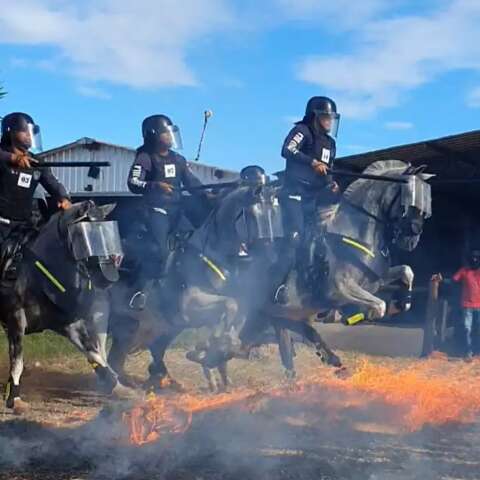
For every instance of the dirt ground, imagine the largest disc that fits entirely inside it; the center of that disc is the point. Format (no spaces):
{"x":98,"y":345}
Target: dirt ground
{"x":62,"y":392}
{"x":284,"y":441}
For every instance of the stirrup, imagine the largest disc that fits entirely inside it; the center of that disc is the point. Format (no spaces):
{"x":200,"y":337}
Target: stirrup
{"x":281,"y":295}
{"x":138,"y":301}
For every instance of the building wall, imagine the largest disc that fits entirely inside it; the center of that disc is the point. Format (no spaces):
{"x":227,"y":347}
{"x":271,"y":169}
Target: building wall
{"x":112,"y":180}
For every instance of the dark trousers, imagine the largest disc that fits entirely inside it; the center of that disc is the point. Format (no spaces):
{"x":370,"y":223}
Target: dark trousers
{"x":161,"y":223}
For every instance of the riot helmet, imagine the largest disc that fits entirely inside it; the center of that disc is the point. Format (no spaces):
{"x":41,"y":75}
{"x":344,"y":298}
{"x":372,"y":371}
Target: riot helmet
{"x":159,"y":132}
{"x":253,"y":175}
{"x":19,"y":129}
{"x":321,"y":113}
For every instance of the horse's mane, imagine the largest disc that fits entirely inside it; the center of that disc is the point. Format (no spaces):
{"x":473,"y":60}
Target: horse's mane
{"x":381,"y":167}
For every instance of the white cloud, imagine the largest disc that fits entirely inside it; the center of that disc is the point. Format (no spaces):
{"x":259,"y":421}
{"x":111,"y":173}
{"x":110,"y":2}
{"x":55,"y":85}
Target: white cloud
{"x":398,"y":125}
{"x":140,"y":44}
{"x":93,"y":92}
{"x":396,"y":55}
{"x":473,"y":98}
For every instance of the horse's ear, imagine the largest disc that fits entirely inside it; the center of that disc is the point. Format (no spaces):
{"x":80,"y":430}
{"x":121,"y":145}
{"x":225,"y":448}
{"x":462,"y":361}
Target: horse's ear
{"x":106,"y":210}
{"x":411,"y":170}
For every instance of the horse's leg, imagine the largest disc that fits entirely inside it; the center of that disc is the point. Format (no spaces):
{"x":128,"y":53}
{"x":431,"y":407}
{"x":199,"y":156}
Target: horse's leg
{"x":223,"y":371}
{"x":16,"y":332}
{"x":321,"y":348}
{"x":81,"y":338}
{"x":350,"y":292}
{"x":159,"y":377}
{"x":122,"y":335}
{"x":211,"y":380}
{"x":285,"y":347}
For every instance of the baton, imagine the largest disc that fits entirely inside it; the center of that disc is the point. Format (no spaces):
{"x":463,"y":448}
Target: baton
{"x":37,"y":164}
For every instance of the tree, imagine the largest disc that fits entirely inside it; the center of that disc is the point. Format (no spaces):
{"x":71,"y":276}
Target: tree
{"x":2,"y":92}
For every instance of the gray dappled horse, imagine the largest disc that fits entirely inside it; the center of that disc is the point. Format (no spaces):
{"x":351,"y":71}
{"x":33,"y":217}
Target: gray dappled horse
{"x":210,"y":281}
{"x":372,"y":217}
{"x":60,"y":286}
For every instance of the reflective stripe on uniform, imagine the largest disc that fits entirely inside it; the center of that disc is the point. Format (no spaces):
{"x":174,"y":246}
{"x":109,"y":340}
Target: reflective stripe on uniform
{"x":135,"y":177}
{"x":295,"y":142}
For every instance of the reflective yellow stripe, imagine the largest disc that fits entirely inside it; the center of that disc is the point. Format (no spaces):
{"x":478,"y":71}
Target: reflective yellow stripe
{"x":213,"y":267}
{"x":358,"y":317}
{"x":44,"y":270}
{"x":355,"y":244}
{"x":89,"y":284}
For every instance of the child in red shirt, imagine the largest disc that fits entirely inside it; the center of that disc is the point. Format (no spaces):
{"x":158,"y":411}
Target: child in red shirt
{"x":470,"y":280}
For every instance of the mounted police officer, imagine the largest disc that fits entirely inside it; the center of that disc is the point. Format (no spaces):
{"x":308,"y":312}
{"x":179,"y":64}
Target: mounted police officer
{"x":158,"y":173}
{"x":19,"y":177}
{"x":309,"y":151}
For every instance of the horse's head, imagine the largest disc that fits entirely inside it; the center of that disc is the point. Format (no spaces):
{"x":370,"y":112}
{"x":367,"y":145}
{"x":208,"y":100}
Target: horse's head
{"x":251,"y":213}
{"x":412,"y":207}
{"x":261,"y":211}
{"x":402,"y":205}
{"x":92,"y":241}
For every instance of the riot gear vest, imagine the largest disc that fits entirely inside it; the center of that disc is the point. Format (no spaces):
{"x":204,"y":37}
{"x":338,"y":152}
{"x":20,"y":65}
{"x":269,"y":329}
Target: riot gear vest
{"x":150,"y":168}
{"x":300,"y":148}
{"x":18,"y":186}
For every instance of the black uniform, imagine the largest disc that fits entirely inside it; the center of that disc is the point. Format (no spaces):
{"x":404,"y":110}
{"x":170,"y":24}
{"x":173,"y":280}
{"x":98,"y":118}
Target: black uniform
{"x":16,"y":192}
{"x":164,"y":209}
{"x":303,"y":186}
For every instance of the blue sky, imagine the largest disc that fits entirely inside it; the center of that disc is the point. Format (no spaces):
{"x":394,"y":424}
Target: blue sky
{"x":400,"y":72}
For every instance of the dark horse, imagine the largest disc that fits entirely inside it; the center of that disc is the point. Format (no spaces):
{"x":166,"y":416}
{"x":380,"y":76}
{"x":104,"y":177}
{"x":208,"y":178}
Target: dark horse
{"x":211,"y":281}
{"x":60,"y":285}
{"x":372,"y":217}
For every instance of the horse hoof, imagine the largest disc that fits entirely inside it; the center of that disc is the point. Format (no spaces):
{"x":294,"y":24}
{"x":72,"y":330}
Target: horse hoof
{"x":20,"y":407}
{"x":158,"y":385}
{"x":129,"y":382}
{"x":122,"y":392}
{"x":329,"y":358}
{"x":342,"y":373}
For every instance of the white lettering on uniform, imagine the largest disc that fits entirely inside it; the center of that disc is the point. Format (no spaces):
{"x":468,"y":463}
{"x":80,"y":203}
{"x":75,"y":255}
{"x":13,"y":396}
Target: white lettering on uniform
{"x":325,"y":156}
{"x":170,"y":170}
{"x":24,"y":180}
{"x":136,"y":173}
{"x":295,"y":142}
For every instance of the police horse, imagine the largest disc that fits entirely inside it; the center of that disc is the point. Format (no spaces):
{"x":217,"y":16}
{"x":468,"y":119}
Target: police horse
{"x":214,"y":278}
{"x":57,"y":282}
{"x":372,"y":217}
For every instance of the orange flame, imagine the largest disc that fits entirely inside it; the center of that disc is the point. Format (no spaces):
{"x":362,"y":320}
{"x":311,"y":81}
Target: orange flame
{"x":434,"y":391}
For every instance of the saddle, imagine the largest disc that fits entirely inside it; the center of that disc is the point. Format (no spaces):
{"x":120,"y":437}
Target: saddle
{"x":12,"y":253}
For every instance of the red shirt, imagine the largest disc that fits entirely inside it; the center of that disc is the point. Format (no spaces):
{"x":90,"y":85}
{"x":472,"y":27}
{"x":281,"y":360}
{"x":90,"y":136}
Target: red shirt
{"x":470,"y":279}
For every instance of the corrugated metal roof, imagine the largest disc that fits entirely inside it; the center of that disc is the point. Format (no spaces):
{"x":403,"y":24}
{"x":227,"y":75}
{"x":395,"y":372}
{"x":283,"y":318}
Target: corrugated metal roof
{"x":462,"y":147}
{"x":111,"y":180}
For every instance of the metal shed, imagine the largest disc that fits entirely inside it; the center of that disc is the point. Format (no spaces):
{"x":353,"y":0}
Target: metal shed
{"x":111,"y":181}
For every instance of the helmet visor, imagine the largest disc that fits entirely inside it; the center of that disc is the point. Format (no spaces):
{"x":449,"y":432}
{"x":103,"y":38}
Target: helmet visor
{"x":175,"y":137}
{"x":328,"y":121}
{"x":35,"y":135}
